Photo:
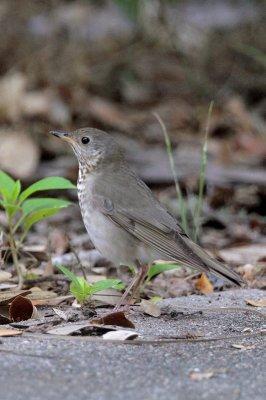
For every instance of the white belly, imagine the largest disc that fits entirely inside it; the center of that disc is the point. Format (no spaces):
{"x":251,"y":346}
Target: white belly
{"x":113,"y":242}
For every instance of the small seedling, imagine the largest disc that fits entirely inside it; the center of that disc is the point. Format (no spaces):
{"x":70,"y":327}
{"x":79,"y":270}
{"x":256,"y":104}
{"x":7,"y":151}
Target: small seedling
{"x":158,"y":268}
{"x":22,"y":213}
{"x":83,"y":290}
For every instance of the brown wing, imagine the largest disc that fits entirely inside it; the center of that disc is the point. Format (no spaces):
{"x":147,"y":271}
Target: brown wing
{"x":171,"y":243}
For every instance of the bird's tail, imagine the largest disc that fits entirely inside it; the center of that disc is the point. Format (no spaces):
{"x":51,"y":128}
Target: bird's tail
{"x":206,"y":263}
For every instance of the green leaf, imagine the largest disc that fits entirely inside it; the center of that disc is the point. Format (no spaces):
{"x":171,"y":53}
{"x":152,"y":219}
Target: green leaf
{"x":6,"y":185}
{"x":107,"y":284}
{"x":81,"y":289}
{"x":159,"y":268}
{"x":33,"y":205}
{"x":13,"y":207}
{"x":38,"y":216}
{"x":15,"y":192}
{"x":69,"y":274}
{"x":50,"y":183}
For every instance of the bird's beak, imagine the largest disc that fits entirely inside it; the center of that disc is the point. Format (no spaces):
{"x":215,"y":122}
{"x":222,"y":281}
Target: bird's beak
{"x":62,"y":135}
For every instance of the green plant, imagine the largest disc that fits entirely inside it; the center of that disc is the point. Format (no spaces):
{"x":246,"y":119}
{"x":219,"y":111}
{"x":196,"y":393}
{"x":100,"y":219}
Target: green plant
{"x":82,"y":290}
{"x":158,"y":268}
{"x":23,"y":212}
{"x":185,"y":211}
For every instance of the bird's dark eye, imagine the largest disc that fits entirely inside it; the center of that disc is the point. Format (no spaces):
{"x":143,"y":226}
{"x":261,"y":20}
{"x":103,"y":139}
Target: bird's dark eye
{"x":85,"y":140}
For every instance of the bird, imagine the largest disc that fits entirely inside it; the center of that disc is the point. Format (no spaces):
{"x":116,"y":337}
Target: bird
{"x":124,"y":220}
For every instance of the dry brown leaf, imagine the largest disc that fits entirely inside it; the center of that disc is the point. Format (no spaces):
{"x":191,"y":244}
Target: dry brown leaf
{"x":243,"y":346}
{"x":9,"y":295}
{"x":9,"y":332}
{"x":257,"y":303}
{"x":204,"y":285}
{"x":22,"y":309}
{"x":117,"y":318}
{"x":150,"y":308}
{"x":199,"y":376}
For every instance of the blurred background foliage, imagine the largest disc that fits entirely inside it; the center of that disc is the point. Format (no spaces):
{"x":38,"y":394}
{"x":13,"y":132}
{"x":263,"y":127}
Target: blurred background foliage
{"x":111,"y":64}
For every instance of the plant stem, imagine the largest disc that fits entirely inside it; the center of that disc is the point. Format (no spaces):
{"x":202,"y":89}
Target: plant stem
{"x":14,"y":253}
{"x":182,"y":205}
{"x":202,"y":177}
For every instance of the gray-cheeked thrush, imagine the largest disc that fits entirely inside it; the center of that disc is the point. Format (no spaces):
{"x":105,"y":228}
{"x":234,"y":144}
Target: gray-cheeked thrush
{"x":124,"y":220}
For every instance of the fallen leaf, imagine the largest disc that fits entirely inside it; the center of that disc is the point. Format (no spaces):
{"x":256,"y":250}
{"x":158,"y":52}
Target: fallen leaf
{"x":60,"y":313}
{"x":117,"y":318}
{"x":120,"y":335}
{"x":199,"y":376}
{"x":150,"y":308}
{"x":73,"y":327}
{"x":39,"y":294}
{"x":7,"y":296}
{"x":22,"y":309}
{"x":55,"y":301}
{"x":9,"y":332}
{"x":68,"y":329}
{"x":243,"y":347}
{"x":257,"y":303}
{"x":108,"y":296}
{"x":204,"y":285}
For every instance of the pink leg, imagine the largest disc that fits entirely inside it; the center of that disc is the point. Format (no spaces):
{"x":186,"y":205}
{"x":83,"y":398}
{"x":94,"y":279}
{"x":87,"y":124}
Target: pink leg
{"x":134,"y":286}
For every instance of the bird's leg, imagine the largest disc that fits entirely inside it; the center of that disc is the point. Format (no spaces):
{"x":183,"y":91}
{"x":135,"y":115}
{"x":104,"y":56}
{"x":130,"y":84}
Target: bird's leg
{"x":143,"y":269}
{"x":134,"y":286}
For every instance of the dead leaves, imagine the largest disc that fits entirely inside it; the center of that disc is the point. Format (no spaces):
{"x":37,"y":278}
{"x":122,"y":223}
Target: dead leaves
{"x":5,"y":332}
{"x":7,"y":296}
{"x":150,"y":308}
{"x":203,"y":285}
{"x":22,"y":309}
{"x":18,"y":308}
{"x":105,"y":326}
{"x":117,"y":318}
{"x":257,"y":303}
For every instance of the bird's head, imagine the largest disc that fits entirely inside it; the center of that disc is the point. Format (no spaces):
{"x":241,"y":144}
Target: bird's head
{"x":92,"y":147}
